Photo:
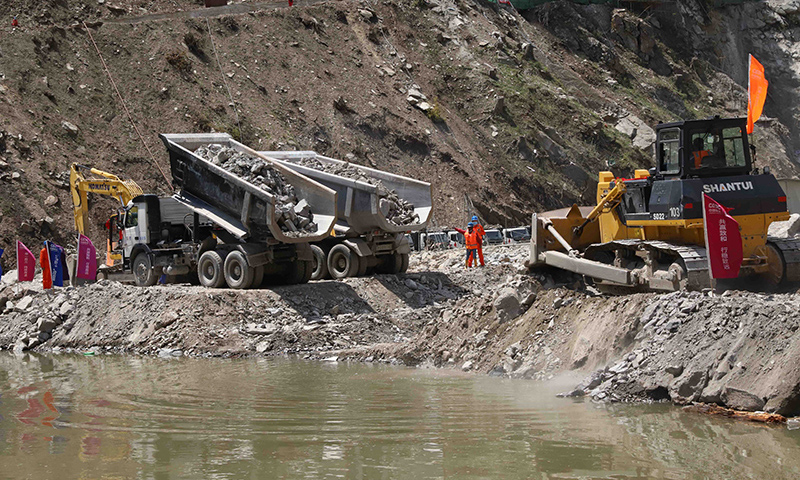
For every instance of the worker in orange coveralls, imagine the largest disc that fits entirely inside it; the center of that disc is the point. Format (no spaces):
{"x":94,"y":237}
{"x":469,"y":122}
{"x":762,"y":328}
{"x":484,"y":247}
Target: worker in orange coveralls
{"x":14,"y":22}
{"x":472,"y":241}
{"x":481,"y":233}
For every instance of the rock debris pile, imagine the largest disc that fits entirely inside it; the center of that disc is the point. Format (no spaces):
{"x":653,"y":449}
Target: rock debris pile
{"x":294,"y":216}
{"x":394,"y":208}
{"x":738,"y":349}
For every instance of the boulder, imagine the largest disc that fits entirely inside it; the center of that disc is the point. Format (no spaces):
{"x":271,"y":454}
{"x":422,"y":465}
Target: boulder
{"x":71,"y":128}
{"x":742,"y":400}
{"x":46,"y":325}
{"x":786,"y":229}
{"x":506,"y":305}
{"x":24,"y":303}
{"x":638,"y":131}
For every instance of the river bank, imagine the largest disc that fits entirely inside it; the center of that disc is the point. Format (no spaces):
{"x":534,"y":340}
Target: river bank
{"x":734,"y":349}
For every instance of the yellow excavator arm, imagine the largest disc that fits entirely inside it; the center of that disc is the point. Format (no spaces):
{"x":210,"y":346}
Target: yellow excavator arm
{"x":103,"y":183}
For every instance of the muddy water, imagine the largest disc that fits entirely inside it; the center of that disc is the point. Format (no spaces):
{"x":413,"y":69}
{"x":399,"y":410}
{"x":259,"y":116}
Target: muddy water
{"x":120,"y":417}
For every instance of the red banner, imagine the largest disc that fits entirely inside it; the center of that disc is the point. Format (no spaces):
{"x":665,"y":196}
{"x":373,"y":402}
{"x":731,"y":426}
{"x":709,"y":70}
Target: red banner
{"x":26,"y":263}
{"x":723,"y":240}
{"x":87,"y":259}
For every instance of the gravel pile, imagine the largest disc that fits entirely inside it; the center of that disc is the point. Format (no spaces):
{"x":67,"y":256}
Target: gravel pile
{"x":394,"y":208}
{"x":294,"y":216}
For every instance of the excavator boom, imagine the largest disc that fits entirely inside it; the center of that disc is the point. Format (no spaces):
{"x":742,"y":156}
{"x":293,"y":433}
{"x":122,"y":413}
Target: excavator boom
{"x":107,"y":184}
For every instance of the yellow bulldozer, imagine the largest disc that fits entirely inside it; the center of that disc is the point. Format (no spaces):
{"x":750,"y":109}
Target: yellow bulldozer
{"x":647,"y":232}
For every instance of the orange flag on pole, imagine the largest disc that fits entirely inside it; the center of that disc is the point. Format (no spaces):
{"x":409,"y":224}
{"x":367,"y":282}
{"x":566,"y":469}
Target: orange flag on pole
{"x":756,"y":93}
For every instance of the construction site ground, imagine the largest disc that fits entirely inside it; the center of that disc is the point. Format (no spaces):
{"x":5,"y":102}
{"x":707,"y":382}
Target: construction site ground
{"x":736,"y":348}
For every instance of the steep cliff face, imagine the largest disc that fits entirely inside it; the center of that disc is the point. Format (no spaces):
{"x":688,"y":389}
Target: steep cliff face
{"x":504,"y":113}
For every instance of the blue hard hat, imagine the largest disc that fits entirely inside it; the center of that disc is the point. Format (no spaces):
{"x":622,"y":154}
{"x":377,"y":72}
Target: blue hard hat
{"x":474,"y":218}
{"x":470,"y":224}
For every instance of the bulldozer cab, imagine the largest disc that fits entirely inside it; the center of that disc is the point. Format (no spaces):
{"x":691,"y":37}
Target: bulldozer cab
{"x":703,"y":148}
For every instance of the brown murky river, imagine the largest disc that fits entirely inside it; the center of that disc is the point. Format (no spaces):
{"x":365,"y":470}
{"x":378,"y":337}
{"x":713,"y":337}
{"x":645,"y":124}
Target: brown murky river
{"x":66,"y":416}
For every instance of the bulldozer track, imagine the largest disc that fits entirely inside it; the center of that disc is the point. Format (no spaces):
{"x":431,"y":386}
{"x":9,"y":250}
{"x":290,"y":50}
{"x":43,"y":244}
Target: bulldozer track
{"x":694,"y":257}
{"x":790,"y":248}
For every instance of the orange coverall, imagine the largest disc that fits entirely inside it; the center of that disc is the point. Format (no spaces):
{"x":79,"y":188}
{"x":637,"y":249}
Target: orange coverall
{"x":472,"y":239}
{"x":481,"y":233}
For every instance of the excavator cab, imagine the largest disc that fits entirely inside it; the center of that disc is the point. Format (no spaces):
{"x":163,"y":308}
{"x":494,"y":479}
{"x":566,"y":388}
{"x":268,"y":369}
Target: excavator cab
{"x":113,"y":248}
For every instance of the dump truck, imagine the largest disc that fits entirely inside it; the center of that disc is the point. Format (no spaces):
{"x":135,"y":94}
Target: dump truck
{"x":366,"y":237}
{"x":647,"y":232}
{"x":217,"y":224}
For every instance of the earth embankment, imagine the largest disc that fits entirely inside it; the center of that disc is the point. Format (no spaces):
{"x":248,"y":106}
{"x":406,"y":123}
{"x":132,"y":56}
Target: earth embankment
{"x":735,"y":349}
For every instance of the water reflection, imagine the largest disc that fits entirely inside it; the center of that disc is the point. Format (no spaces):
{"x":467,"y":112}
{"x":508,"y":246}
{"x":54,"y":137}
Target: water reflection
{"x":130,"y":417}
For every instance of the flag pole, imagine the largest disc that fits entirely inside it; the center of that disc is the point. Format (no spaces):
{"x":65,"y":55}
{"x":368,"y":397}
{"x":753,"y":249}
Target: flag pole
{"x":708,"y":254}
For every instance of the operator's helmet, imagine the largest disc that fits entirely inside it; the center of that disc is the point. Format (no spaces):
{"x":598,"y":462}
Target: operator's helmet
{"x":475,"y":219}
{"x":470,"y":224}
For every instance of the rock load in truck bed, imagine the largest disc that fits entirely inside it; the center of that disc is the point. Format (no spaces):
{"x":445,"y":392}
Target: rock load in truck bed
{"x":394,"y":208}
{"x":294,"y":217}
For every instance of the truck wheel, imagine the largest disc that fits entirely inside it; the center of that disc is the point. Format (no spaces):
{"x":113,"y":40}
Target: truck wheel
{"x":258,"y":277}
{"x":238,"y":272}
{"x":392,"y":264}
{"x":319,"y":264}
{"x":403,"y":262}
{"x":143,"y":273}
{"x":342,"y":262}
{"x":300,"y":272}
{"x":209,"y":269}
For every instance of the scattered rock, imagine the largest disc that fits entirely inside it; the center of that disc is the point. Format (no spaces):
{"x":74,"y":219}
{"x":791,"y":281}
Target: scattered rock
{"x":71,"y":128}
{"x":507,"y":305}
{"x":51,"y":201}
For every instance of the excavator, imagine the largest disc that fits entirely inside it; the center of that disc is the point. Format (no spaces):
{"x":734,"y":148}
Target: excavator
{"x":102,"y":183}
{"x":647,"y":232}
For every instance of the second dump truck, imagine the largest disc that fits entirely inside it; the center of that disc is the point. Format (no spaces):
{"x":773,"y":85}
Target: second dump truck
{"x":218,"y":225}
{"x":366,"y":236}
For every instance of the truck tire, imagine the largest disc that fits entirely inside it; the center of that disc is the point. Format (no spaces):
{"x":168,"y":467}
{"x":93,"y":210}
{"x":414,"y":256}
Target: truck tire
{"x":319,"y":264}
{"x":391,"y":264}
{"x":238,"y":272}
{"x":209,"y":269}
{"x":300,"y":272}
{"x":403,"y":262}
{"x":342,"y":262}
{"x":258,"y":277}
{"x":143,"y":272}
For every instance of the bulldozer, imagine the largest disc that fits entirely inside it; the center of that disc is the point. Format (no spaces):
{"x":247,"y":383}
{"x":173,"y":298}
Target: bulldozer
{"x":647,"y":232}
{"x":101,"y":183}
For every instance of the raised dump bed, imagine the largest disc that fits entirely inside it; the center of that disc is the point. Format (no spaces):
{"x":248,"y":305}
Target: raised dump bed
{"x":359,"y":203}
{"x":375,"y":209}
{"x":253,"y":211}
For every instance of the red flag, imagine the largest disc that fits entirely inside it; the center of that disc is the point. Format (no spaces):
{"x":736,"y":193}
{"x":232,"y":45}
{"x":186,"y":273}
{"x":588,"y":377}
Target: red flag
{"x":26,"y":263}
{"x":47,"y":270}
{"x":87,"y":258}
{"x":723,"y":240}
{"x":756,"y":93}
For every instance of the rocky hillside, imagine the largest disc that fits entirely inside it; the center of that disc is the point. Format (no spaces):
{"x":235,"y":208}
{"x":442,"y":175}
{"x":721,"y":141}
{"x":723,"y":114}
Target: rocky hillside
{"x":504,"y":113}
